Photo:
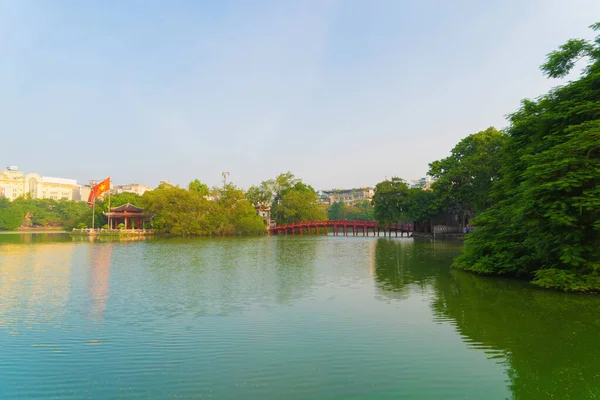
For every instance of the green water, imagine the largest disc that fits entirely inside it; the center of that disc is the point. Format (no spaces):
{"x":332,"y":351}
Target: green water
{"x":281,"y":318}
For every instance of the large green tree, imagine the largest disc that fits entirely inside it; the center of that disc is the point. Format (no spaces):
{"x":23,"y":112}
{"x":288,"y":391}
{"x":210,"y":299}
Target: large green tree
{"x":197,"y":186}
{"x":422,"y":207}
{"x":291,"y":199}
{"x":188,"y":212}
{"x":46,"y":213}
{"x":389,"y":201}
{"x":465,"y":178}
{"x":546,"y":223}
{"x":11,"y":215}
{"x":362,"y":211}
{"x":299,"y":203}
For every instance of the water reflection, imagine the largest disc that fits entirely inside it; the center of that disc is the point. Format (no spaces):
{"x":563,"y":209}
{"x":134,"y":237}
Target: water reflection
{"x":263,"y":315}
{"x":101,"y":258}
{"x":405,"y":264}
{"x":34,"y":283}
{"x":547,"y":340}
{"x":294,"y":267}
{"x":550,"y":339}
{"x":224,"y":276}
{"x":29,"y":237}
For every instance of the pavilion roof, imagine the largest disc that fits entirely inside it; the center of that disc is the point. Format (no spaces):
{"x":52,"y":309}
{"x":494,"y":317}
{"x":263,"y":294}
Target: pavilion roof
{"x":127,"y":208}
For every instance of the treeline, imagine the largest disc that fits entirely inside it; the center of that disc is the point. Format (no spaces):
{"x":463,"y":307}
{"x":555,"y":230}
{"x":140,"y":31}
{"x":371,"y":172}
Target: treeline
{"x":462,"y":186}
{"x":361,"y":211}
{"x":534,"y":189}
{"x":196,"y":210}
{"x":45,"y":213}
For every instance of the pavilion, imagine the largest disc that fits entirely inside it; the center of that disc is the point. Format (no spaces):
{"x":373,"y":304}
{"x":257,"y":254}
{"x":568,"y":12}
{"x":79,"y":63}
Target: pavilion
{"x":131,"y":216}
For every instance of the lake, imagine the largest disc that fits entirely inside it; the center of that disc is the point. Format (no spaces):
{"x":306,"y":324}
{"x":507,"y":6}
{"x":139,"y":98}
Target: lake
{"x":281,"y":318}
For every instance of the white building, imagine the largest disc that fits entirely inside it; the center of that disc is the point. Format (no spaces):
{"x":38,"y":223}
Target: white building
{"x":14,"y":183}
{"x":424,"y":182}
{"x":131,"y":188}
{"x":348,"y":196}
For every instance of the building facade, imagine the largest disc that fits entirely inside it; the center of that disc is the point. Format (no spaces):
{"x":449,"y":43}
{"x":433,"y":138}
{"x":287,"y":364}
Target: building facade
{"x":14,"y":184}
{"x":131,"y":188}
{"x":424,"y":183}
{"x":348,"y":196}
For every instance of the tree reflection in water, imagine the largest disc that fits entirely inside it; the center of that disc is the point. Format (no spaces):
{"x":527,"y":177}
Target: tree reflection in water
{"x":548,"y":340}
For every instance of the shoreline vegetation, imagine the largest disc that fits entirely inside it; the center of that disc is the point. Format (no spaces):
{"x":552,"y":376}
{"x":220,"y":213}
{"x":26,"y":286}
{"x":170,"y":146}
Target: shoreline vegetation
{"x":528,"y":195}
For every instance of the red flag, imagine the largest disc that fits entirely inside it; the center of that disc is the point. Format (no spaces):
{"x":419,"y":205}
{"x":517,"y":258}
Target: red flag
{"x":99,"y":189}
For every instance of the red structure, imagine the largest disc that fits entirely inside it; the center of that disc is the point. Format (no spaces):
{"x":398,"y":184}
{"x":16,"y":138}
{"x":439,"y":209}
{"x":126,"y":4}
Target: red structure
{"x":342,"y":227}
{"x":131,"y":216}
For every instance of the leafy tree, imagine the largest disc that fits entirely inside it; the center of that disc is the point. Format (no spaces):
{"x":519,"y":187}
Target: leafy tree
{"x":120,"y":199}
{"x":44,"y":213}
{"x":362,"y":211}
{"x":299,"y":203}
{"x":11,"y":215}
{"x":291,"y":199}
{"x":389,"y":201}
{"x":338,"y":210}
{"x":177,"y":211}
{"x":546,"y":223}
{"x":260,"y":196}
{"x":422,"y":207}
{"x":199,"y":187}
{"x":465,"y":178}
{"x":188,"y":212}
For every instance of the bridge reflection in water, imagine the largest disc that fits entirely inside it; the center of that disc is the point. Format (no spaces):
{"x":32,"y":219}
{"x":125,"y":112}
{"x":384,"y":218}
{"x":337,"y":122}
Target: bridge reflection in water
{"x":343,"y":227}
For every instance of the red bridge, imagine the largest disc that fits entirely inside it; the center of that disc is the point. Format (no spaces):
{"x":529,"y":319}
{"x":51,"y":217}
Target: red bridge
{"x":343,"y":226}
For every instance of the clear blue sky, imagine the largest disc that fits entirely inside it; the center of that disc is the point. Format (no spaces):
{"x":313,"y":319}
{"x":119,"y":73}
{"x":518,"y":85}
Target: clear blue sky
{"x":341,"y":93}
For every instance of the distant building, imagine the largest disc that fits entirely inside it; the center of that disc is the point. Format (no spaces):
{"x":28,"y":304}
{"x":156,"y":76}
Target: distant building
{"x":348,"y":196}
{"x":131,"y":188}
{"x":424,"y":183}
{"x":168,"y":183}
{"x":86,"y":189}
{"x":14,"y":183}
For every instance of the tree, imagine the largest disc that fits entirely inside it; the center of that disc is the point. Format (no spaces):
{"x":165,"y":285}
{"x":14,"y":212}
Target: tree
{"x":177,"y":211}
{"x":560,"y":62}
{"x":260,"y":196}
{"x":24,"y":211}
{"x":291,"y":199}
{"x":188,"y":212}
{"x":546,"y":222}
{"x":422,"y":206}
{"x":120,"y":199}
{"x":199,"y":187}
{"x":299,"y":203}
{"x":11,"y":215}
{"x":389,"y":201}
{"x":362,"y":211}
{"x":338,"y":210}
{"x":465,"y":178}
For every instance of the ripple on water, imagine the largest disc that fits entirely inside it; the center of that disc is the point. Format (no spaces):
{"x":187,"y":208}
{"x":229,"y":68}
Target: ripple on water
{"x":290,"y":318}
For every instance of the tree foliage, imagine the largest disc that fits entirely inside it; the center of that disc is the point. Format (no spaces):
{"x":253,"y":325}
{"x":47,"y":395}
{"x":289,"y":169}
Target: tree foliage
{"x":546,"y":221}
{"x":465,"y":178}
{"x":299,"y":203}
{"x":362,"y":211}
{"x":120,"y":199}
{"x":291,"y":200}
{"x":199,"y":187}
{"x":188,"y":212}
{"x":43,"y":213}
{"x":389,"y":201}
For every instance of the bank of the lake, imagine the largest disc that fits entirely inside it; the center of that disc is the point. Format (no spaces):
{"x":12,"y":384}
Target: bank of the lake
{"x":281,"y":317}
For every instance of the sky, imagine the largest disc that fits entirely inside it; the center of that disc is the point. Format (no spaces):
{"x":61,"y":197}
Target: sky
{"x":341,"y":93}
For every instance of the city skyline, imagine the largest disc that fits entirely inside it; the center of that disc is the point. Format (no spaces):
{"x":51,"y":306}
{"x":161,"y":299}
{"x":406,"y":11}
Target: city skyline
{"x":118,"y":185}
{"x":339,"y":93}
